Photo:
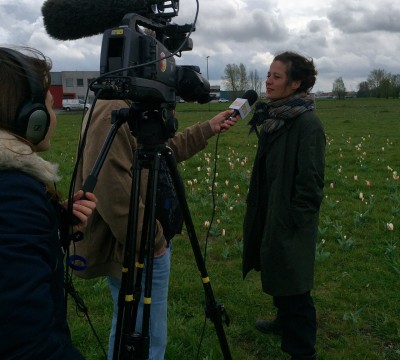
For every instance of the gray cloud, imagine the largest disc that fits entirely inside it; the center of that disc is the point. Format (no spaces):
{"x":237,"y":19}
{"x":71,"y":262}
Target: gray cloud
{"x":346,"y":39}
{"x":366,"y":17}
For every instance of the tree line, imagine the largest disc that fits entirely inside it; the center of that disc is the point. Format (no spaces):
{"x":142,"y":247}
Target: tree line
{"x":237,"y":81}
{"x":379,"y":84}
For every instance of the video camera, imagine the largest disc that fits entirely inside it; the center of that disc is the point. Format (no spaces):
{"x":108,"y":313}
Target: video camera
{"x":138,"y":64}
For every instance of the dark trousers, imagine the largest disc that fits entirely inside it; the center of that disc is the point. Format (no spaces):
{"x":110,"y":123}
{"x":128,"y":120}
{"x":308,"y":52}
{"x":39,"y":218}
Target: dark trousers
{"x":299,"y":325}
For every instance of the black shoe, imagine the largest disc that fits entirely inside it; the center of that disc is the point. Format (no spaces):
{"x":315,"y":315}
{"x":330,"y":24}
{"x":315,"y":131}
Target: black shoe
{"x":269,"y":327}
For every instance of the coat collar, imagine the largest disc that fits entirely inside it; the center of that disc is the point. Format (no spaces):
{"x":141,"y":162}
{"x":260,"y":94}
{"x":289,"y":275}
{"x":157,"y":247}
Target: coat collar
{"x":17,"y":155}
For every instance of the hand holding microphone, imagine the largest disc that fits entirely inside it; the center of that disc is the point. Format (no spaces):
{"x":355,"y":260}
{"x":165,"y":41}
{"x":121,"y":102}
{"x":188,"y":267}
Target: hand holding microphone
{"x":222,"y":121}
{"x":241,"y":106}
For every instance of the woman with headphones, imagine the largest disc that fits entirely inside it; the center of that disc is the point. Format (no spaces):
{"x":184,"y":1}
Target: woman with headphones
{"x":34,"y":226}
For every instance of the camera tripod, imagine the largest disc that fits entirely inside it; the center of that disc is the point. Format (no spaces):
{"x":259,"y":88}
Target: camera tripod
{"x":152,"y":134}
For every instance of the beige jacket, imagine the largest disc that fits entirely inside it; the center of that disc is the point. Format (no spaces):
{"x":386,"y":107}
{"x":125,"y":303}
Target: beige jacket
{"x":105,"y":234}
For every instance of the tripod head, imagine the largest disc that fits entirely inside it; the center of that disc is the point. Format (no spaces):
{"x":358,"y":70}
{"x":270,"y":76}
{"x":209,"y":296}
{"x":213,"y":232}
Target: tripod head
{"x":151,"y":124}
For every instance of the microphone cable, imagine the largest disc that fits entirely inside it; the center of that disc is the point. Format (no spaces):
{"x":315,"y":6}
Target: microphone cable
{"x":213,"y":202}
{"x":81,"y":307}
{"x":68,"y":280}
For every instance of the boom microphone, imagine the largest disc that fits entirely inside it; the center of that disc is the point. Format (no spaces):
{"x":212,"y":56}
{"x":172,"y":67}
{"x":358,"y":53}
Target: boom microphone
{"x":75,"y":19}
{"x":242,"y":105}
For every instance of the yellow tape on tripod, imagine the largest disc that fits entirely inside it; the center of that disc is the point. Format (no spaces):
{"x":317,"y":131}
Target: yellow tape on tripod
{"x":129,"y":298}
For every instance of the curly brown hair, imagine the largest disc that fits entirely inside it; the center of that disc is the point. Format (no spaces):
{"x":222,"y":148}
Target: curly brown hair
{"x":299,"y":68}
{"x":15,"y":87}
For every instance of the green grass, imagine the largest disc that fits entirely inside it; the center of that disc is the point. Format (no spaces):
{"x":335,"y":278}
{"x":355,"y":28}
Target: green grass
{"x":358,"y":259}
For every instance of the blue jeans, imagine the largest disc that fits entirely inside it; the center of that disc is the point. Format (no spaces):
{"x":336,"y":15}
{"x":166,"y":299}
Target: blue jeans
{"x":158,"y":307}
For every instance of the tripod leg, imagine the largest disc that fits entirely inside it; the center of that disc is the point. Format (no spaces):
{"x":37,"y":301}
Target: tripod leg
{"x":131,"y":344}
{"x":126,"y":293}
{"x":214,"y":310}
{"x":148,"y":236}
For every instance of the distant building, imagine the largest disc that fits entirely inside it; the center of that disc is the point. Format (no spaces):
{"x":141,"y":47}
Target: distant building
{"x":215,"y":91}
{"x":75,"y":84}
{"x":72,"y":85}
{"x":232,"y":95}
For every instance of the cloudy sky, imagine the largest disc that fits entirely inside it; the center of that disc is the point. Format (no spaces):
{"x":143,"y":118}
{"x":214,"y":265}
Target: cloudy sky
{"x":346,"y":39}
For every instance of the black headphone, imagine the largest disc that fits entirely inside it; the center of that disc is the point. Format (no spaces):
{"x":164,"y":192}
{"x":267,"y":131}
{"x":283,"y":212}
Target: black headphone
{"x":33,"y":119}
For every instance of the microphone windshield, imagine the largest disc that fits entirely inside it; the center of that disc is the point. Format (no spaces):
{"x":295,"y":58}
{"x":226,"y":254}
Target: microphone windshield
{"x":251,"y":96}
{"x":75,"y":19}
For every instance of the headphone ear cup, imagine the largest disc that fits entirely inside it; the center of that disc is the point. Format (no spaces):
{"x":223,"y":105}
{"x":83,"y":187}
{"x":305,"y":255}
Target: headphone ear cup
{"x":35,"y":119}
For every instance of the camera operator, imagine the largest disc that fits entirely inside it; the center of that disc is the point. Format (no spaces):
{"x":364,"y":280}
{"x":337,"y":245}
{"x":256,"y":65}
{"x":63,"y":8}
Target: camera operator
{"x":105,"y":235}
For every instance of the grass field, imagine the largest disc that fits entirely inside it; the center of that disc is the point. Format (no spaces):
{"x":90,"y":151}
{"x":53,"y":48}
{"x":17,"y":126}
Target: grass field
{"x":358,"y":256}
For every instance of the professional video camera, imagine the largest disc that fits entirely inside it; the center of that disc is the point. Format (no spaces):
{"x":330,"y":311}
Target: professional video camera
{"x":137,"y":63}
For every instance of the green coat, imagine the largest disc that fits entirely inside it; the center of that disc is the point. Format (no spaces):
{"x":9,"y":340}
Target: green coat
{"x":281,"y":222}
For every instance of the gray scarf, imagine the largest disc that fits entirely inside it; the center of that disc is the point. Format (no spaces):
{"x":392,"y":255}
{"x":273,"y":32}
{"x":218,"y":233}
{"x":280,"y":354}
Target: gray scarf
{"x":271,"y":116}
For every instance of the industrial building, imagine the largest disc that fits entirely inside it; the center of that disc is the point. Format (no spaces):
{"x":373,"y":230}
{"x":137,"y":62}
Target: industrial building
{"x":72,"y":85}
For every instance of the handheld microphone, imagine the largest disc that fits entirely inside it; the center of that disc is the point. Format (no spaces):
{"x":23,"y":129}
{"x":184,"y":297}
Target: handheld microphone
{"x":75,"y":19}
{"x":242,"y":105}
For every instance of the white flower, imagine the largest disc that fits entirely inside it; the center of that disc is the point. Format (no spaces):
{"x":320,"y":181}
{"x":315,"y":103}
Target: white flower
{"x":389,"y":226}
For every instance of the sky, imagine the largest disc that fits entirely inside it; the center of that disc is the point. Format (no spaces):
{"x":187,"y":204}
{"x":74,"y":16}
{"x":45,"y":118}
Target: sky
{"x":346,"y":39}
